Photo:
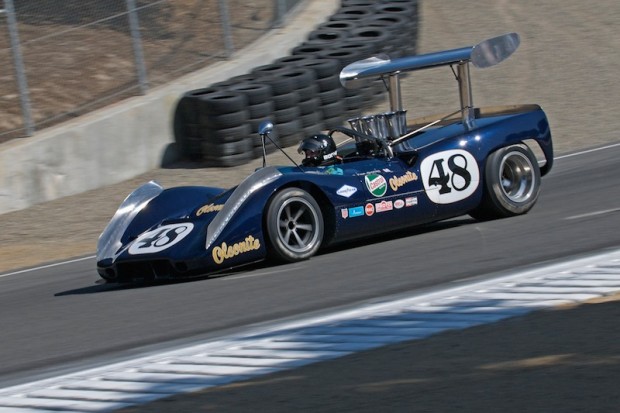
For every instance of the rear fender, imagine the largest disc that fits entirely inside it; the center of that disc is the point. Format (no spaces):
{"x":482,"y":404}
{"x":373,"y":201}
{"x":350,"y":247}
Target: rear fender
{"x":530,"y":127}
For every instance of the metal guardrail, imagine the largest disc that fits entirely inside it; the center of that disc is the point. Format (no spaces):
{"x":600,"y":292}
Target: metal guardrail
{"x":59,"y":60}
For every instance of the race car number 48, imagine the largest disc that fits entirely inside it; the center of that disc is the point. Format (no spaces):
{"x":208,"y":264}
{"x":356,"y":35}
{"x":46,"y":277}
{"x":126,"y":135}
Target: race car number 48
{"x":450,"y":176}
{"x":161,"y":238}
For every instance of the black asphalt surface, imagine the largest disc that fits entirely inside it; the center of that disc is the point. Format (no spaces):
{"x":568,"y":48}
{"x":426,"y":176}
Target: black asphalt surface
{"x":59,"y":318}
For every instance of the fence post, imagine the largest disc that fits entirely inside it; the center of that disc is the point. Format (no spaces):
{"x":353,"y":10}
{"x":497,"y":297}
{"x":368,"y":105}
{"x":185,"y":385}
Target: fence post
{"x":225,"y":16}
{"x":20,"y":72}
{"x":280,"y":11}
{"x":136,"y":39}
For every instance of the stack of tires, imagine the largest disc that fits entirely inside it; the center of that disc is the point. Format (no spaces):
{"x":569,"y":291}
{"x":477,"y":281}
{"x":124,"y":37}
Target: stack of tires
{"x":301,"y":93}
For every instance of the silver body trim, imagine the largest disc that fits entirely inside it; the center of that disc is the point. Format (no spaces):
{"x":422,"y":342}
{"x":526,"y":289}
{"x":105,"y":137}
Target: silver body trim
{"x":110,"y":239}
{"x":251,"y":184}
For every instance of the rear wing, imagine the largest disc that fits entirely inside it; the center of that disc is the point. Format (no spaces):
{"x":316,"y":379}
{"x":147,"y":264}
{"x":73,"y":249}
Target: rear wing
{"x":485,"y":54}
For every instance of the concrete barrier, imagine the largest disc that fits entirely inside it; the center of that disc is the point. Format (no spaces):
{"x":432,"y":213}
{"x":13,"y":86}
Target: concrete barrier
{"x":132,"y":137}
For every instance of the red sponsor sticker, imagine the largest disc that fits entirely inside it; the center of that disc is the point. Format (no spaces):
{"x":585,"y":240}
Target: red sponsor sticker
{"x":399,"y":203}
{"x":411,"y":201}
{"x":383,"y":206}
{"x":345,"y":213}
{"x":370,"y":209}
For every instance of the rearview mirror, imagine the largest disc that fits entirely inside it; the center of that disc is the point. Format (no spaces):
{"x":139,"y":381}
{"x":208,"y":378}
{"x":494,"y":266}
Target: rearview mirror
{"x":265,"y":128}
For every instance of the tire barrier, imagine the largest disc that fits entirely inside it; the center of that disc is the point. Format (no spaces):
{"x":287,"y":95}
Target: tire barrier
{"x":300,"y":93}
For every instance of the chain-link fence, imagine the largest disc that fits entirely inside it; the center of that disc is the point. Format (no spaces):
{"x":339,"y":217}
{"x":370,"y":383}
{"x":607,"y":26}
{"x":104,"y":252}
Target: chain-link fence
{"x":61,"y":59}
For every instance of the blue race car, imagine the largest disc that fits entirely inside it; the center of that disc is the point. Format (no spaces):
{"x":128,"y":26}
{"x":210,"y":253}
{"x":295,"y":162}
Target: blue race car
{"x":387,"y":175}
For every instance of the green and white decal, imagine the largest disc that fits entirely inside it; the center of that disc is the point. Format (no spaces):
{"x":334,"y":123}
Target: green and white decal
{"x":376,"y":184}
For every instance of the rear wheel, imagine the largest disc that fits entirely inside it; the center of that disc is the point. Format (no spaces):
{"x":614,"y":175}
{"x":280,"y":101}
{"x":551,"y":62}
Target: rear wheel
{"x":512,"y":183}
{"x":294,"y":225}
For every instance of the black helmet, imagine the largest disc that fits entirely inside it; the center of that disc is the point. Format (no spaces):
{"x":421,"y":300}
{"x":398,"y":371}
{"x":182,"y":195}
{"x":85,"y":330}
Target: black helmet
{"x":318,"y":149}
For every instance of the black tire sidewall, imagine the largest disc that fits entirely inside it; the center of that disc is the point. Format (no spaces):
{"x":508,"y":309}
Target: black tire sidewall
{"x":496,"y":194}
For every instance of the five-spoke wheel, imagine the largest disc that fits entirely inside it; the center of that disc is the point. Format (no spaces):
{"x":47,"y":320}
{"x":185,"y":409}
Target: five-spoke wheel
{"x":294,"y":224}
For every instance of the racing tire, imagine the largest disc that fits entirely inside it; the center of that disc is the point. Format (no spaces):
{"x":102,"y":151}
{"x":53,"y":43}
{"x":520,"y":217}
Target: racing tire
{"x":312,"y":49}
{"x":294,"y":225}
{"x":340,"y":25}
{"x":303,"y":77}
{"x":226,"y":120}
{"x":328,"y":83}
{"x":311,"y":119}
{"x":228,"y":161}
{"x":256,"y":92}
{"x":269,"y":69}
{"x":216,"y":150}
{"x":285,"y":101}
{"x":343,"y":56}
{"x":294,"y":139}
{"x":286,"y":114}
{"x":331,"y":96}
{"x":351,"y":14}
{"x":309,"y":105}
{"x":261,"y":110}
{"x":308,"y":92}
{"x":280,"y":85}
{"x":362,"y":47}
{"x":327,"y":36}
{"x":222,"y":102}
{"x":322,"y":67}
{"x":511,"y":184}
{"x":226,"y":135}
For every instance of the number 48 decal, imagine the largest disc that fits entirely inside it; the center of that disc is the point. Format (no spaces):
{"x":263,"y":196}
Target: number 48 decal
{"x":450,"y":176}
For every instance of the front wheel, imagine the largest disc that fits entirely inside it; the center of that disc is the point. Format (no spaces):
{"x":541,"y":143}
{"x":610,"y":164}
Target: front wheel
{"x":294,"y":225}
{"x":512,"y":183}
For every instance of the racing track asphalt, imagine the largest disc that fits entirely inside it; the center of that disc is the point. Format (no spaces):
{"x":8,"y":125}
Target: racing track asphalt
{"x":78,"y":321}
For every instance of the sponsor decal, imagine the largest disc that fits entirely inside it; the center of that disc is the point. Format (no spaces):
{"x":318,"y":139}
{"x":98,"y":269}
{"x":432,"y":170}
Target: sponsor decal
{"x":398,"y":181}
{"x":161,"y":238}
{"x":399,"y":203}
{"x":411,"y":201}
{"x":225,"y":251}
{"x":334,"y":170}
{"x":383,"y":206}
{"x":357,"y":211}
{"x":209,"y":208}
{"x":345,"y":213}
{"x":450,"y":176}
{"x":376,"y":184}
{"x":370,"y":210}
{"x":346,"y":191}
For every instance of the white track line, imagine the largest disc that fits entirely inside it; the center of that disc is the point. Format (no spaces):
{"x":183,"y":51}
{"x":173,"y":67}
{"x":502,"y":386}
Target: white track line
{"x":42,"y":267}
{"x":287,"y":345}
{"x":592,"y":214}
{"x":587,"y":151}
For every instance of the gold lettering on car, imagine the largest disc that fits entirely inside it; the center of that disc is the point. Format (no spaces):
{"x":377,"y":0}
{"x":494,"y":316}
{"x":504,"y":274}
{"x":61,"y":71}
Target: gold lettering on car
{"x":398,"y":181}
{"x":225,"y":251}
{"x":209,"y":208}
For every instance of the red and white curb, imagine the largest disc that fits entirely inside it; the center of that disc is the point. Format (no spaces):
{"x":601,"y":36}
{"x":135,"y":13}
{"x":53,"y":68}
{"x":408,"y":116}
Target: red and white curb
{"x":283,"y":346}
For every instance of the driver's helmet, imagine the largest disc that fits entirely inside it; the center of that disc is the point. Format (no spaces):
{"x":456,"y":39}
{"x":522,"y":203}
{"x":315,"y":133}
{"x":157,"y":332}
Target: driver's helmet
{"x":317,"y":150}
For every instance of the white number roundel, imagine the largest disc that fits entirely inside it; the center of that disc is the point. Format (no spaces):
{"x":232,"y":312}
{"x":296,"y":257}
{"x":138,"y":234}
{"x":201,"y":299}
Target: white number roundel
{"x":160,"y":238}
{"x":450,"y":176}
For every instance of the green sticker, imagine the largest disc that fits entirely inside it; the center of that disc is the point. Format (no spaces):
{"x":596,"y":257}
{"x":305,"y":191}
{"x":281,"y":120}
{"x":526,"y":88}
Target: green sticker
{"x":376,"y":184}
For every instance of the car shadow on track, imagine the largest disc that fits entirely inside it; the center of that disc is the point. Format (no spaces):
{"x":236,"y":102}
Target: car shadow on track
{"x":103,"y":287}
